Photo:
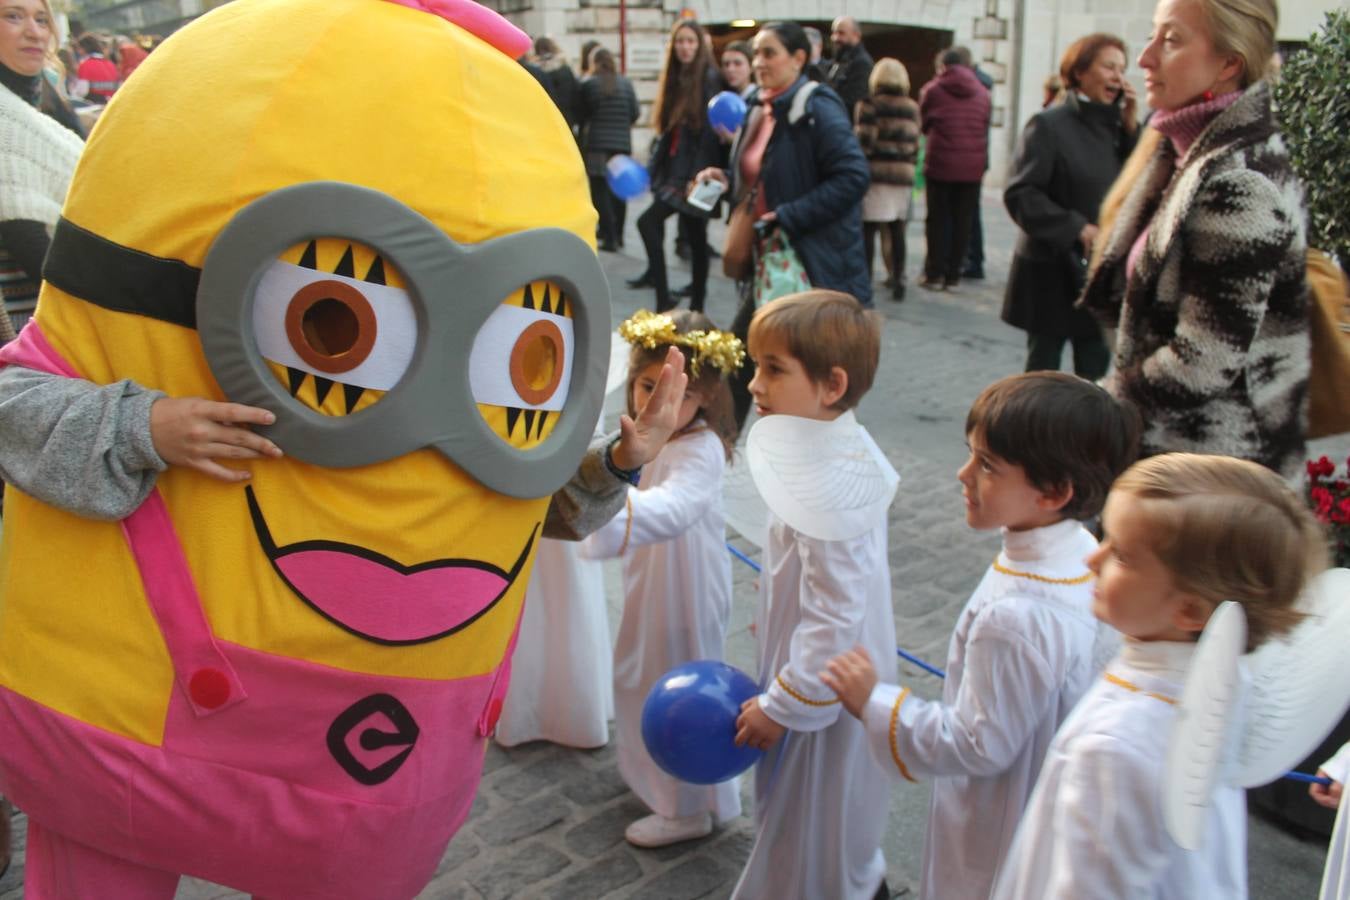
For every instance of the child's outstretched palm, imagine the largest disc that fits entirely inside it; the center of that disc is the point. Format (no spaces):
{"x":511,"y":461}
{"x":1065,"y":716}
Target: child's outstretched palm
{"x":852,"y":676}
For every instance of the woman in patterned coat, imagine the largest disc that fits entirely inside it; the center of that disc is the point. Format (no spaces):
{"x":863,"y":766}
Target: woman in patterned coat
{"x":1200,"y":261}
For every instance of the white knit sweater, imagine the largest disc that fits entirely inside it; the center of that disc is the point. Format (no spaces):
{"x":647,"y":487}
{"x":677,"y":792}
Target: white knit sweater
{"x":37,"y":160}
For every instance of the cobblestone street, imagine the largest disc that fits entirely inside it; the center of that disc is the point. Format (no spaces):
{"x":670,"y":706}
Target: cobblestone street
{"x":549,"y":821}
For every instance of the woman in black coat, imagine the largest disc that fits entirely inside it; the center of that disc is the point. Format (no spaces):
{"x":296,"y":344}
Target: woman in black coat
{"x":556,"y":77}
{"x":1069,"y":156}
{"x":687,"y":144}
{"x":607,"y":107}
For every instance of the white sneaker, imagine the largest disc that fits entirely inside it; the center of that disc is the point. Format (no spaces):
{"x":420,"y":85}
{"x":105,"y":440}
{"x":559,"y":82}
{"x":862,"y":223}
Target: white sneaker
{"x":658,"y":831}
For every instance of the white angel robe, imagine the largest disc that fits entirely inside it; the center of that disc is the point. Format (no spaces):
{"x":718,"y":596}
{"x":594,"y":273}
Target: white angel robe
{"x":1094,"y":828}
{"x":1020,"y":658}
{"x":677,"y":602}
{"x":562,"y":681}
{"x":820,"y":801}
{"x":1336,"y":878}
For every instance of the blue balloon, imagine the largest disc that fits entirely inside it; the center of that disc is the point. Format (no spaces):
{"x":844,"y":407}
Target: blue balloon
{"x":726,"y":110}
{"x":689,"y":722}
{"x":627,"y":179}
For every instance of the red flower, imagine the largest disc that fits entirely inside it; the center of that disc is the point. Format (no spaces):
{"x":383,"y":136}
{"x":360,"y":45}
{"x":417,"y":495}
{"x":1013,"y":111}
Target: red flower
{"x":1323,"y":468}
{"x":1322,"y":500}
{"x":1342,"y":511}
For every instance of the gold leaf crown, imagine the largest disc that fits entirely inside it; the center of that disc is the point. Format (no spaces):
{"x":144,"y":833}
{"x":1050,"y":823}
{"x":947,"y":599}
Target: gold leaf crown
{"x":720,"y":349}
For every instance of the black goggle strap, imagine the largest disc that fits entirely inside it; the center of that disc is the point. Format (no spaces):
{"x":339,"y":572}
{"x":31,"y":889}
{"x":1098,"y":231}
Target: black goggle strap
{"x":121,"y":279}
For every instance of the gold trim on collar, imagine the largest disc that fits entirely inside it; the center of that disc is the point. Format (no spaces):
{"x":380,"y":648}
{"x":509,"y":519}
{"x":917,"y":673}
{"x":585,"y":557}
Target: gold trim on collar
{"x":1004,"y":570}
{"x":1131,"y":686}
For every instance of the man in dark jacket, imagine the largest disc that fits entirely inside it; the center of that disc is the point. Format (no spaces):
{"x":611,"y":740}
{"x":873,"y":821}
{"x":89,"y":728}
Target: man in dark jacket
{"x":954,"y":108}
{"x":852,"y":66}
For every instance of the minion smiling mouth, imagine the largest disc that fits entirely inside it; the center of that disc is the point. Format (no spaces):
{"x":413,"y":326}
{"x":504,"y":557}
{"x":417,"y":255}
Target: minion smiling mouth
{"x":379,"y":599}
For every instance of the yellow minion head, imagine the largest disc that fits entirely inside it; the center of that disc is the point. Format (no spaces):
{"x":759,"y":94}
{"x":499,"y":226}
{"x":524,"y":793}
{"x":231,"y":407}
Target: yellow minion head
{"x":367,"y":218}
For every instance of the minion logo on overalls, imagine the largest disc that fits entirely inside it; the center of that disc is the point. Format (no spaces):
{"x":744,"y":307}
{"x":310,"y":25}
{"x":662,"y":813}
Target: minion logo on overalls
{"x":288,"y":687}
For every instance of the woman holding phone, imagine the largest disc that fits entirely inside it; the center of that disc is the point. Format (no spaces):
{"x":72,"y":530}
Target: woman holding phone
{"x":1068,"y":157}
{"x":807,"y":173}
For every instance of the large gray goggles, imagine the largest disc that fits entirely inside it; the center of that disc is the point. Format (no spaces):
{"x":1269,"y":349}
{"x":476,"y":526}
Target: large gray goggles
{"x":454,"y":290}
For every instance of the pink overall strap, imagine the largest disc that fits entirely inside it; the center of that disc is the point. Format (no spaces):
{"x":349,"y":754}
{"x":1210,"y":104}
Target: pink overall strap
{"x":206,"y":676}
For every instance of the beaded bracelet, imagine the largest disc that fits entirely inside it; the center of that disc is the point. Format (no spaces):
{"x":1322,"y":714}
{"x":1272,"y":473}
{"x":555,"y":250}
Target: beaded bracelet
{"x":632,"y":476}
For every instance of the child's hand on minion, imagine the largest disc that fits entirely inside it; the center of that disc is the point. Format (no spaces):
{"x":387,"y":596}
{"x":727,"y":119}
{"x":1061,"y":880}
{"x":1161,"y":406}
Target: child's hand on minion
{"x":194,"y":432}
{"x":641,"y":439}
{"x":754,"y":728}
{"x":851,"y":676}
{"x":1328,"y":795}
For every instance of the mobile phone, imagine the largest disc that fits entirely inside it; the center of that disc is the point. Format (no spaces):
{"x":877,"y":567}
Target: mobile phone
{"x":705,"y":194}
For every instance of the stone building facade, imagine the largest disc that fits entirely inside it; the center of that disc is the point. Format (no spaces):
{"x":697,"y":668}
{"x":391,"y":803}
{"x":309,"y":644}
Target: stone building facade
{"x":1018,"y":42}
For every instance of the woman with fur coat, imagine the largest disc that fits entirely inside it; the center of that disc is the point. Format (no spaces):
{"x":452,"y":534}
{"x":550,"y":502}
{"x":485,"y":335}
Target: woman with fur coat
{"x":1200,"y":261}
{"x":887,"y":124}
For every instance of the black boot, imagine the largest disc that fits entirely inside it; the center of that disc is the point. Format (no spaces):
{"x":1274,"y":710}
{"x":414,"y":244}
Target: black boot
{"x":644,"y":280}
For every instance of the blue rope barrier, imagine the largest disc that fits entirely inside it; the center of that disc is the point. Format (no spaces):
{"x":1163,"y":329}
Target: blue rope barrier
{"x":743,"y":558}
{"x":932,"y":670}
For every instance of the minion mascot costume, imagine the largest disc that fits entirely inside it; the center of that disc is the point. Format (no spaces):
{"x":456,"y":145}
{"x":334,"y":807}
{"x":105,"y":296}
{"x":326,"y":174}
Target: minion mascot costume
{"x":287,"y":685}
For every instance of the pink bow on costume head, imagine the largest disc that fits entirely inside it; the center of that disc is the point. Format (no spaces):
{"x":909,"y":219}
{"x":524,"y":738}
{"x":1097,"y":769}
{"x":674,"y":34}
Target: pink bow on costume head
{"x":477,"y":19}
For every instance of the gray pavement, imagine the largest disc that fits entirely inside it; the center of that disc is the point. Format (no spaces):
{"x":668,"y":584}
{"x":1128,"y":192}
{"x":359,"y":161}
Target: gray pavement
{"x":549,"y":820}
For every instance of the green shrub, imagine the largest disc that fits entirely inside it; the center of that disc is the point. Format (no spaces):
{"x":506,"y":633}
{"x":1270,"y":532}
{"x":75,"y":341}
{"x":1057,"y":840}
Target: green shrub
{"x":1313,"y":103}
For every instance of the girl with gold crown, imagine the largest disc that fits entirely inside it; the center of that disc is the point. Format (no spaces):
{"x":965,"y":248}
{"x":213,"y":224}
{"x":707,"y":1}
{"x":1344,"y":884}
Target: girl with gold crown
{"x":677,"y":574}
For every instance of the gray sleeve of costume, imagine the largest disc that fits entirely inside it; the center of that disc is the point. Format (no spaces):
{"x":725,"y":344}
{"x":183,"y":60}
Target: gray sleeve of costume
{"x":75,"y":445}
{"x":590,"y":498}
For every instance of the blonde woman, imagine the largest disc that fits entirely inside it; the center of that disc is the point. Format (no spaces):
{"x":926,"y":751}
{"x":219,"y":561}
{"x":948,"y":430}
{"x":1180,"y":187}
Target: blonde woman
{"x":887,"y":124}
{"x":1199,"y":262}
{"x":41,"y":150}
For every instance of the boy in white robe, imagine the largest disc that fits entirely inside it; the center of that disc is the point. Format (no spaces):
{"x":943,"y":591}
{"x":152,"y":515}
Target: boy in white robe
{"x":1183,"y":533}
{"x":818,"y":815}
{"x":1044,"y":449}
{"x":1336,"y":877}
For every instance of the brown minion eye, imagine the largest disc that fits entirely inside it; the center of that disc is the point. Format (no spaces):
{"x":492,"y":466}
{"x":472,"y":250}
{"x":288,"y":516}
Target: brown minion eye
{"x":537,"y":362}
{"x":331,"y":326}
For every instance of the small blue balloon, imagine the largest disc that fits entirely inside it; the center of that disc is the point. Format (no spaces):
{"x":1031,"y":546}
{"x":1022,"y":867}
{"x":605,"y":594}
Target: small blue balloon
{"x":726,"y":110}
{"x":627,"y":179}
{"x":689,"y":722}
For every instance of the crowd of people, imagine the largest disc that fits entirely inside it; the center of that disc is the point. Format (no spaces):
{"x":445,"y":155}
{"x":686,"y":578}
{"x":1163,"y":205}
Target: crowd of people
{"x":1169,"y":254}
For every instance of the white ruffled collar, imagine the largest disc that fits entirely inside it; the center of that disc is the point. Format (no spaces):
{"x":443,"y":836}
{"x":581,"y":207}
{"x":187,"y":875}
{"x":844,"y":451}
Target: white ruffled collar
{"x":1168,"y":660}
{"x":1042,"y":543}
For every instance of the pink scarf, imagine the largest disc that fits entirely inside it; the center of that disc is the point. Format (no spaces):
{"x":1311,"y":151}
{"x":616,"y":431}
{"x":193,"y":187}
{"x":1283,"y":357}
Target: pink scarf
{"x":752,"y":157}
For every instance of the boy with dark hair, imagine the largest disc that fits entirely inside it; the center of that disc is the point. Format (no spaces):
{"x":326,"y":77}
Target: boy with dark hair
{"x":1044,"y":450}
